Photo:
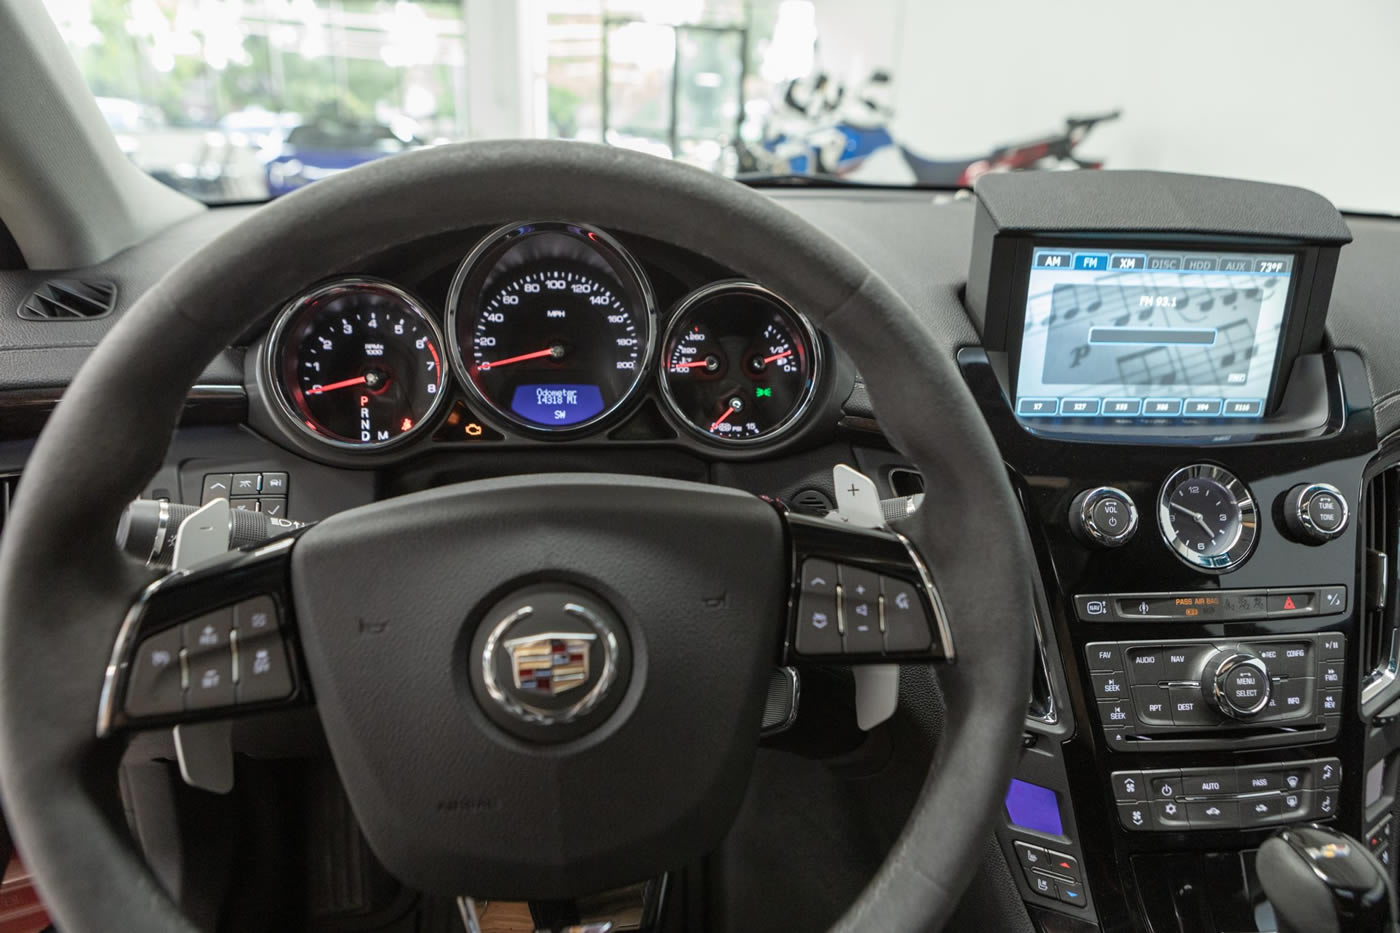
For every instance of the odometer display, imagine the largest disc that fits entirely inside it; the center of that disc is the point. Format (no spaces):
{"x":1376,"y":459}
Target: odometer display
{"x":357,"y":363}
{"x":551,"y":326}
{"x":739,"y":364}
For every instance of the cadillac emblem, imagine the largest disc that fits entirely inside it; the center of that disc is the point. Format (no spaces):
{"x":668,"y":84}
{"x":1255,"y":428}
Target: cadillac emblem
{"x":550,"y":663}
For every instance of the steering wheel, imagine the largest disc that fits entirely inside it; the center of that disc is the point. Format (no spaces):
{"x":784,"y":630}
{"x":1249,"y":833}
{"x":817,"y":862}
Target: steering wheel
{"x":694,"y":580}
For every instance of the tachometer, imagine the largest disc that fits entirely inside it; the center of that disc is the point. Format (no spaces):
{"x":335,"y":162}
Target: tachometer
{"x":356,"y":363}
{"x":740,"y":364}
{"x":551,"y":326}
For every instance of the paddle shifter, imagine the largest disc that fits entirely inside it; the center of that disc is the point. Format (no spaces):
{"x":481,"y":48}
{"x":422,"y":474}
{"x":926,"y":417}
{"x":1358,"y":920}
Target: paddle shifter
{"x":1321,"y":881}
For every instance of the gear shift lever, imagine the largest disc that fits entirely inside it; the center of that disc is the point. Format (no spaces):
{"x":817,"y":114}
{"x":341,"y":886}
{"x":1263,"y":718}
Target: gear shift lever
{"x":1321,"y":881}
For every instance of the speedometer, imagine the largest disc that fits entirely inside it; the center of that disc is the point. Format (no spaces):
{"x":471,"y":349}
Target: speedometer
{"x":551,"y":326}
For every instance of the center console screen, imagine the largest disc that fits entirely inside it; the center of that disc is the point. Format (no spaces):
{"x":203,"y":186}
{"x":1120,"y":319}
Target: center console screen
{"x":1151,"y":333}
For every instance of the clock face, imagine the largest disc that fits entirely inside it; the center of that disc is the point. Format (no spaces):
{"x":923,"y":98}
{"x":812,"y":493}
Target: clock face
{"x":1207,"y":517}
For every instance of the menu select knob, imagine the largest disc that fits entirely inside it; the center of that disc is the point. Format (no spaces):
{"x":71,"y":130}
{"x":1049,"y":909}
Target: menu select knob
{"x":1103,"y":517}
{"x":1315,"y":512}
{"x":1236,"y":683}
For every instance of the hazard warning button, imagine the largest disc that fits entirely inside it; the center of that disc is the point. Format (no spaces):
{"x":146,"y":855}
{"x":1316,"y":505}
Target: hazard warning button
{"x":1292,"y":602}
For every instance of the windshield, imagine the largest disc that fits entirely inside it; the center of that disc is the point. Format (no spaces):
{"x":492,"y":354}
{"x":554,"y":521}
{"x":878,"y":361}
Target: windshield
{"x":229,"y":100}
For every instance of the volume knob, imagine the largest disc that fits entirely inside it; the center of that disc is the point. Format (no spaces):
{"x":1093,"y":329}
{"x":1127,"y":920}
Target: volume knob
{"x":1104,"y":516}
{"x":1236,"y":683}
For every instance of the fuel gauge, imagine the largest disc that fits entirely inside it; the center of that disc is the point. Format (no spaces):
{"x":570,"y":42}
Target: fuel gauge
{"x":739,"y":364}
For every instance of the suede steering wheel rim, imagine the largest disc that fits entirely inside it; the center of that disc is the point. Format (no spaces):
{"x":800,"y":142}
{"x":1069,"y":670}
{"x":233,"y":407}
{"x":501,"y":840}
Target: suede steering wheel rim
{"x":64,"y":587}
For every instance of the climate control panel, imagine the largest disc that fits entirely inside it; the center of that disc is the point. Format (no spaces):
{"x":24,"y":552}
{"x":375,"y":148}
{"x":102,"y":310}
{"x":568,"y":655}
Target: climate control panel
{"x":1227,"y":798}
{"x":1178,"y":694}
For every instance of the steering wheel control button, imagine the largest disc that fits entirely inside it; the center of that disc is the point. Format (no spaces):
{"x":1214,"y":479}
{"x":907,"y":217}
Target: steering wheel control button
{"x":262,"y":671}
{"x":550,"y":662}
{"x":155,"y":687}
{"x":819,"y":577}
{"x":1103,"y":517}
{"x":860,"y":610}
{"x":905,"y":622}
{"x":274,"y":484}
{"x":1315,"y":513}
{"x":209,"y":658}
{"x":817,"y":632}
{"x":216,"y":486}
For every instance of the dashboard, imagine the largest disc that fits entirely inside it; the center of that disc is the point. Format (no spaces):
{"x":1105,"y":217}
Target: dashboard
{"x":1196,"y":398}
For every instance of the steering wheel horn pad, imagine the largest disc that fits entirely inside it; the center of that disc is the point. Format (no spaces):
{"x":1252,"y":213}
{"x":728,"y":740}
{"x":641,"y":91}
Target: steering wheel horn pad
{"x":450,"y":801}
{"x":64,"y":587}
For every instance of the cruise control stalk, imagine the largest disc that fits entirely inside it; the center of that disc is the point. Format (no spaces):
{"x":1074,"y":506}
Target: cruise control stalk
{"x":149,"y":527}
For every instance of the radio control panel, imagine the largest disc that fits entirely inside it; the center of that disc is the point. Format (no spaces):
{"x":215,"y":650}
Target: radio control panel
{"x":1182,"y":694}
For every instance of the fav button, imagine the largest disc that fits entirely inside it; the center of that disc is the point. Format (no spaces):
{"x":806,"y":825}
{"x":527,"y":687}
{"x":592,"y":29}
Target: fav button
{"x":1103,"y":657}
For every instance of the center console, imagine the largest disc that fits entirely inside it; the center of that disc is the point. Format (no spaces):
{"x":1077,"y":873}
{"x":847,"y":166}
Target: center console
{"x":1193,"y":463}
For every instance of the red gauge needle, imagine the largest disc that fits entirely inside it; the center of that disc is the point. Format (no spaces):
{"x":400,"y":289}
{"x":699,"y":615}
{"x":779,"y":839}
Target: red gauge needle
{"x":342,"y":384}
{"x":691,"y":365}
{"x":538,"y":354}
{"x":722,"y":418}
{"x":777,"y":356}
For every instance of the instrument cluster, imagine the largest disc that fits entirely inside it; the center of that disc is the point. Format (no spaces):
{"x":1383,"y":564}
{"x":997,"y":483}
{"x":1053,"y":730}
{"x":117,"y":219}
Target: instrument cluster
{"x":552,"y":331}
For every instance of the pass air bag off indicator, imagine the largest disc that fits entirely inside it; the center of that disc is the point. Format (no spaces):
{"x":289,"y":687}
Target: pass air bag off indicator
{"x":739,"y":364}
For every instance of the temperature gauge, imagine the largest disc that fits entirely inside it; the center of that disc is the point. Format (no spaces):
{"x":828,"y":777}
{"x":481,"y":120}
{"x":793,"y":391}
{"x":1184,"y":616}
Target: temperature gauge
{"x":739,"y":364}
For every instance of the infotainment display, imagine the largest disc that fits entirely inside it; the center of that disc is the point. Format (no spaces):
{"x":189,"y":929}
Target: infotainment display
{"x":1150,"y":333}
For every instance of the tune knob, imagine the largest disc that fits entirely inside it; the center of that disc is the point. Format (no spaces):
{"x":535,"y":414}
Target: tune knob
{"x":1315,"y":512}
{"x":1104,"y":516}
{"x":1236,"y":683}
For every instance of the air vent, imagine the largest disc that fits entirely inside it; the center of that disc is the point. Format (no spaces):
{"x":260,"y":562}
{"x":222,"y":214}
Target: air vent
{"x":7,"y":492}
{"x":1380,"y":625}
{"x":69,"y":300}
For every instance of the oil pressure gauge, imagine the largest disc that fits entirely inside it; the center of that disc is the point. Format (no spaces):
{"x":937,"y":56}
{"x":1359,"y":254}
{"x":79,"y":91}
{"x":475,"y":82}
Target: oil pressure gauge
{"x":1208,"y":517}
{"x":739,"y":364}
